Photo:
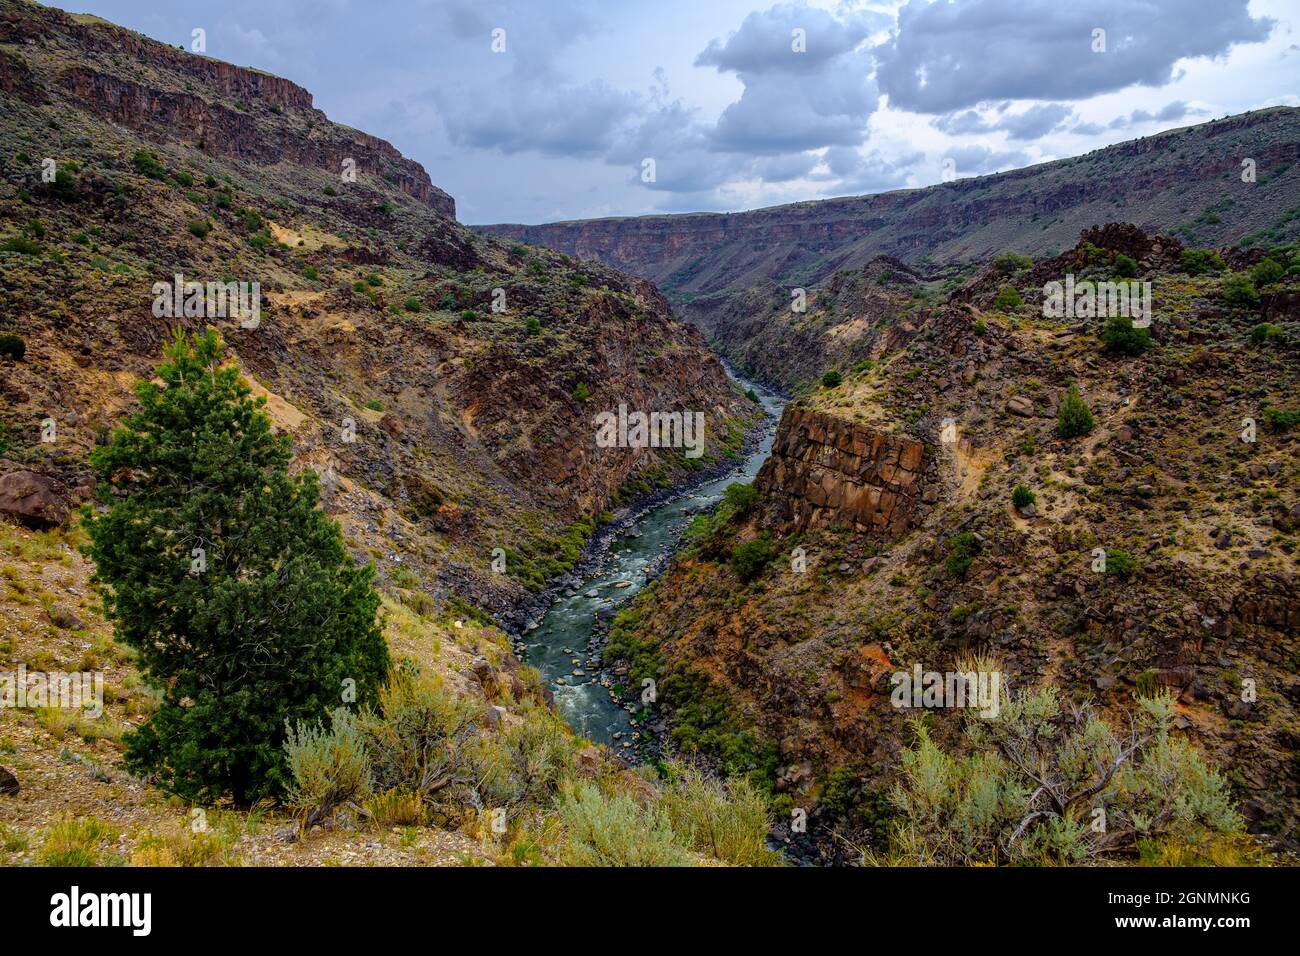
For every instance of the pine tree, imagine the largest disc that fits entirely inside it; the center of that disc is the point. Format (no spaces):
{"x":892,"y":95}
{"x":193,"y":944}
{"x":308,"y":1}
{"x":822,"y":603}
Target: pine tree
{"x":1073,"y":417}
{"x":220,"y":571}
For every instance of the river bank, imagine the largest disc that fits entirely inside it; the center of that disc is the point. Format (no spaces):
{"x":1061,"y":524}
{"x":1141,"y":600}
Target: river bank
{"x":562,"y":630}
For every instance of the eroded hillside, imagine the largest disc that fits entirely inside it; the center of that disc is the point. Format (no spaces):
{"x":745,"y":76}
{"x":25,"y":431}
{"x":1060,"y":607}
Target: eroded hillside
{"x":885,"y":534}
{"x":445,"y":385}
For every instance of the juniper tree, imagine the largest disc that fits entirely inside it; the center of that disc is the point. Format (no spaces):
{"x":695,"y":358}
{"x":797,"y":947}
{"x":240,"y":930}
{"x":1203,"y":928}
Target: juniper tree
{"x":233,"y":587}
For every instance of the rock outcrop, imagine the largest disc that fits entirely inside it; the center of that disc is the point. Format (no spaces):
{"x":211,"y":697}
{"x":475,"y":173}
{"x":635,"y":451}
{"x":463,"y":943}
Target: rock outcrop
{"x":826,"y":472}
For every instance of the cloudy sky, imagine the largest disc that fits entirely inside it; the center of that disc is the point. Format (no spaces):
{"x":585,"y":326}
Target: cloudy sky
{"x":740,"y":104}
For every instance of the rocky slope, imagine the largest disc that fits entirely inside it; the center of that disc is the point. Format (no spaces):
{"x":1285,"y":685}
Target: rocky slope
{"x":1185,"y":182}
{"x":446,"y":385}
{"x":957,"y":406}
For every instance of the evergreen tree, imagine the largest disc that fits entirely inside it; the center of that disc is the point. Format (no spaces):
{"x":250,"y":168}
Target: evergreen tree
{"x":220,"y":571}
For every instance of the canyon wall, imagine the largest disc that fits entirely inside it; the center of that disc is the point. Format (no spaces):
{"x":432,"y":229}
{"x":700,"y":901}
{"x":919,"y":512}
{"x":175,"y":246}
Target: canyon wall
{"x":826,"y":471}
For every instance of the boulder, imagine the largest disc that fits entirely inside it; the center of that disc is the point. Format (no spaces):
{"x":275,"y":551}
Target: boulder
{"x":37,"y":501}
{"x":9,"y":785}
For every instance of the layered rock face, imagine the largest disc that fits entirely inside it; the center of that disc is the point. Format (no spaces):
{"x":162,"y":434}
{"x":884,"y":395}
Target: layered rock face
{"x":172,"y":96}
{"x":829,"y":472}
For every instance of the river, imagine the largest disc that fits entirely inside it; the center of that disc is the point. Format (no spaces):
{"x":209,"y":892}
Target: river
{"x":562,"y":646}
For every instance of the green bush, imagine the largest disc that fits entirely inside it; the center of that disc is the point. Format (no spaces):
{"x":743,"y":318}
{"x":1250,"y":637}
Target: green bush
{"x":1266,"y":272}
{"x":18,"y":244}
{"x":1073,"y":416}
{"x":981,"y":326}
{"x":328,"y":768}
{"x":1022,"y":497}
{"x":749,"y":559}
{"x":12,"y":346}
{"x":1237,"y":289}
{"x":962,"y":549}
{"x":728,"y":821}
{"x":831,"y":379}
{"x":1010,"y":263}
{"x":1200,"y":261}
{"x":1007,"y":299}
{"x":581,"y":392}
{"x":1024,"y":787}
{"x":532,"y":327}
{"x":412,"y":304}
{"x":1280,"y":420}
{"x":146,"y":164}
{"x":1265,"y":333}
{"x":1119,"y":564}
{"x":1120,"y":335}
{"x":64,"y":187}
{"x":269,"y":624}
{"x":200,"y":228}
{"x":1126,"y":267}
{"x":601,"y":829}
{"x":741,"y":497}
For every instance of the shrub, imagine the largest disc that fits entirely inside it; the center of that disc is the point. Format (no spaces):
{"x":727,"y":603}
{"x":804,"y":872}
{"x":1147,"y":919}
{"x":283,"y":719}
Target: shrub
{"x":1119,"y":564}
{"x":76,"y":842}
{"x":749,"y":559}
{"x":1200,"y":261}
{"x":1278,"y":419}
{"x":981,"y":326}
{"x":1024,"y":787}
{"x":420,"y":738}
{"x":1266,"y":272}
{"x":532,"y":327}
{"x":1120,"y":335}
{"x":962,"y":549}
{"x":581,"y":392}
{"x":184,"y":179}
{"x":469,"y":315}
{"x":741,"y":496}
{"x":1009,"y":263}
{"x":1237,"y":289}
{"x":64,"y":187}
{"x":310,"y":274}
{"x":412,"y":305}
{"x":328,"y":767}
{"x":21,"y":245}
{"x":1264,"y":333}
{"x":1022,"y":497}
{"x":1007,"y":299}
{"x":12,"y":346}
{"x":831,"y":379}
{"x":1126,"y":267}
{"x":728,"y":821}
{"x":601,"y":829}
{"x":146,"y":164}
{"x":330,"y":191}
{"x":275,"y":621}
{"x":200,"y":228}
{"x":1073,"y":417}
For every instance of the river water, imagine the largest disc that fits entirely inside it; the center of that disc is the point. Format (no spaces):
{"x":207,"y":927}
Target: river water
{"x":563,"y":642}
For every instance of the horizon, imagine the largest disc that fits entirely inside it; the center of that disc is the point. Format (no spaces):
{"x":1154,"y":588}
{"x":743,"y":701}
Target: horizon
{"x":581,"y":97}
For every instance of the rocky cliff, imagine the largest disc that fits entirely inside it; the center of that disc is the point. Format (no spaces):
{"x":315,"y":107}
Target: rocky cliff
{"x":825,"y":471}
{"x":170,"y":96}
